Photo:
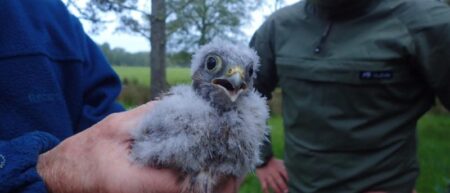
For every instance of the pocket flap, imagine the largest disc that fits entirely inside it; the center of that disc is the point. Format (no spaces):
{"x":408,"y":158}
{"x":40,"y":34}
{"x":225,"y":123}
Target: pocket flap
{"x":348,"y":72}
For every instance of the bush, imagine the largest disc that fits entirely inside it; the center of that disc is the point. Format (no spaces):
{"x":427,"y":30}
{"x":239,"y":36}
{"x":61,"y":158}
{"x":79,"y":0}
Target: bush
{"x":438,"y":108}
{"x":275,"y":104}
{"x":133,"y":94}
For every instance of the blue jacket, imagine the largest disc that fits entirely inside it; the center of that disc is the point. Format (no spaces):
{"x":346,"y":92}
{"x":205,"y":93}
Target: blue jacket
{"x":54,"y":83}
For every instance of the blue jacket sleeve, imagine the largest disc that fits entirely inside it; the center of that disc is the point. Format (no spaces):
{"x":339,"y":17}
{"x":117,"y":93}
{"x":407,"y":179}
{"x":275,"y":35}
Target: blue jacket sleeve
{"x":101,"y":86}
{"x":18,"y":159}
{"x":77,"y":73}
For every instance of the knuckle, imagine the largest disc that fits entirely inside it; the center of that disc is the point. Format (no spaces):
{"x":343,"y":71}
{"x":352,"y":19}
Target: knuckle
{"x":112,"y":119}
{"x":107,"y":125}
{"x":113,"y":116}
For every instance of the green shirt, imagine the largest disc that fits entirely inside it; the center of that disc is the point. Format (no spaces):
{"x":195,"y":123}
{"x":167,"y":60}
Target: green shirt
{"x":353,"y":89}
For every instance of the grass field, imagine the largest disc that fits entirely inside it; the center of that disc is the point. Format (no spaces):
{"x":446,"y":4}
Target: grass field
{"x":434,"y":153}
{"x":142,"y":74}
{"x":433,"y":131}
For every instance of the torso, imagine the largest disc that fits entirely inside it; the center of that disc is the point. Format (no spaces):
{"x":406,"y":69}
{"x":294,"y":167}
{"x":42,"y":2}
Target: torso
{"x":349,"y":107}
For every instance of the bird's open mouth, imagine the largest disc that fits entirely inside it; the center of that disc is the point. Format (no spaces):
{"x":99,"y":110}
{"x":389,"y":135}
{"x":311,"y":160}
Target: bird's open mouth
{"x":228,"y":86}
{"x":232,"y":90}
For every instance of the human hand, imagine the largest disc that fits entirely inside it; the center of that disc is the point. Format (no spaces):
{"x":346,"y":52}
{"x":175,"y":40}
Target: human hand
{"x":273,"y":176}
{"x":96,"y":160}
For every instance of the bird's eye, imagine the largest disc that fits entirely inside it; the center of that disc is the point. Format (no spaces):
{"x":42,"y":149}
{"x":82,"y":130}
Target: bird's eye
{"x":213,"y":63}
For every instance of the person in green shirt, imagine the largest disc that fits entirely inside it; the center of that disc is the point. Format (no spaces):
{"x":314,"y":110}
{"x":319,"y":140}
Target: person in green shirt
{"x":355,"y":75}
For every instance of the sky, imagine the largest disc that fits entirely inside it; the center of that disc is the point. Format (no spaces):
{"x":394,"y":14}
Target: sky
{"x":133,"y":43}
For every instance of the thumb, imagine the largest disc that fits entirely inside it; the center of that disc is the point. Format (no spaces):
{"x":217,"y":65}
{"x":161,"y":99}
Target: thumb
{"x":141,"y":110}
{"x":132,"y":118}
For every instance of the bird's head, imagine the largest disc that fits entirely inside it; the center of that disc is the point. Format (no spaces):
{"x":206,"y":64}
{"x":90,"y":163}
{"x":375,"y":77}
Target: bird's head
{"x":222,"y":71}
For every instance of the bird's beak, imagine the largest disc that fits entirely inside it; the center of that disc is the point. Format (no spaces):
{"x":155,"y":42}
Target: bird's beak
{"x":232,"y":83}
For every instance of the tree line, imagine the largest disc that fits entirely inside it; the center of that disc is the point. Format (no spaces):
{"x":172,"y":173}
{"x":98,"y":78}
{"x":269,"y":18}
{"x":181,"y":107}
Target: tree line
{"x":178,"y":25}
{"x":120,"y":57}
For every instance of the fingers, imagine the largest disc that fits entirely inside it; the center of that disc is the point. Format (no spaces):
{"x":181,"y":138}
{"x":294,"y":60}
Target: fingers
{"x":279,"y":174}
{"x":277,"y":183}
{"x":264,"y":186}
{"x":274,"y":185}
{"x":283,"y":172}
{"x":282,"y":180}
{"x":269,"y":181}
{"x":273,"y":176}
{"x":280,"y":183}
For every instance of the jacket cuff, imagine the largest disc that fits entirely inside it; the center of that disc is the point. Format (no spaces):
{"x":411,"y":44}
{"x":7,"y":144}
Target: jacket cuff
{"x":266,"y":153}
{"x":18,"y":160}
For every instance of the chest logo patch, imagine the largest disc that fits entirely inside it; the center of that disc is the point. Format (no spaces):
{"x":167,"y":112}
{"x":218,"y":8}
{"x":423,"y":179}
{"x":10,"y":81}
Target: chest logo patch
{"x":376,"y":75}
{"x":46,"y":97}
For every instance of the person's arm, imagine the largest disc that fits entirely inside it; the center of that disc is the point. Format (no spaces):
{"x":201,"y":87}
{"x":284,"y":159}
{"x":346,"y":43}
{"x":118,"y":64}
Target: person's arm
{"x":18,"y":159}
{"x":271,"y":172}
{"x":19,"y":156}
{"x":101,"y":86}
{"x":266,"y":77}
{"x":432,"y":53}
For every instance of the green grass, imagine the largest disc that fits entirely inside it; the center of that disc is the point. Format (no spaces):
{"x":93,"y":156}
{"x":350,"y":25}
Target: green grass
{"x":433,"y":130}
{"x":175,"y":75}
{"x":434,"y":153}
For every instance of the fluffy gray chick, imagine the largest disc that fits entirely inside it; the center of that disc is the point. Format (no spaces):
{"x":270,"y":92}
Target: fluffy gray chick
{"x":212,"y":129}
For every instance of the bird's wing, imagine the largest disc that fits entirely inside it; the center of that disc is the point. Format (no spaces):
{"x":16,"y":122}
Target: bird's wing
{"x":171,"y":132}
{"x":255,"y":110}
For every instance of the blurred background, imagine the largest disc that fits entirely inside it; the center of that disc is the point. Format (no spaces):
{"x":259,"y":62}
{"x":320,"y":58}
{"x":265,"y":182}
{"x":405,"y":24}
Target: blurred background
{"x":126,"y":31}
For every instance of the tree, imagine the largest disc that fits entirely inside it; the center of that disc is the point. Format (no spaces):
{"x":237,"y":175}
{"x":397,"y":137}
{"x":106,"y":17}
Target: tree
{"x":190,"y":23}
{"x":195,"y":22}
{"x":158,"y":45}
{"x":135,"y":18}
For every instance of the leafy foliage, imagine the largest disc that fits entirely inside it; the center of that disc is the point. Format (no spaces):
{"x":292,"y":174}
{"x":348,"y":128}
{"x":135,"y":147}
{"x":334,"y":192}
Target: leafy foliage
{"x":190,"y":23}
{"x":120,"y":57}
{"x":196,"y":22}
